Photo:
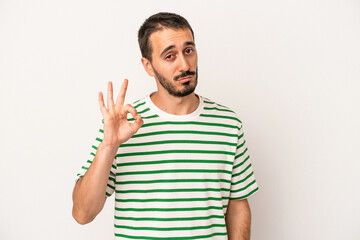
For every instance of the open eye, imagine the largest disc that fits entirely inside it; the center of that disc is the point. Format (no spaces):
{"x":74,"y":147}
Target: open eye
{"x":189,"y":50}
{"x":169,"y":57}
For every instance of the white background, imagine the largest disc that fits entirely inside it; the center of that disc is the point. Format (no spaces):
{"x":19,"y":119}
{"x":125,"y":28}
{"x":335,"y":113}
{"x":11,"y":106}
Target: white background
{"x":290,"y":69}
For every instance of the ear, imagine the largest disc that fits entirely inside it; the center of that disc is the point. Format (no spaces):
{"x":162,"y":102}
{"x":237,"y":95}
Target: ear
{"x":147,"y":66}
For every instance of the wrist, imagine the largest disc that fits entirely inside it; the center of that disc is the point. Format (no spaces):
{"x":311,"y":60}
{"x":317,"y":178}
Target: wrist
{"x":110,"y":148}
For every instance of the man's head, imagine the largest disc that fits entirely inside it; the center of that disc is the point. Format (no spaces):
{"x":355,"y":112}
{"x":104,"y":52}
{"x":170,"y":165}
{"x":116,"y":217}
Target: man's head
{"x":156,"y":23}
{"x":168,"y":53}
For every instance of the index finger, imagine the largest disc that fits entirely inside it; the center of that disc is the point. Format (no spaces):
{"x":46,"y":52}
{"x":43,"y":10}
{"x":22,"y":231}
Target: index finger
{"x":121,"y":97}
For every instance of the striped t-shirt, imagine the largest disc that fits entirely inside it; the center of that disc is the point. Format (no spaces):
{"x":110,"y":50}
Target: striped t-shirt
{"x":173,"y":178}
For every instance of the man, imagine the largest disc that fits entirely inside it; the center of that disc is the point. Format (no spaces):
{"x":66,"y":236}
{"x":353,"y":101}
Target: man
{"x":179,"y":167}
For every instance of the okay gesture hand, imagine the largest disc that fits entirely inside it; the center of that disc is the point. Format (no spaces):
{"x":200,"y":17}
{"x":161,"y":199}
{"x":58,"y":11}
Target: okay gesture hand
{"x":117,"y":129}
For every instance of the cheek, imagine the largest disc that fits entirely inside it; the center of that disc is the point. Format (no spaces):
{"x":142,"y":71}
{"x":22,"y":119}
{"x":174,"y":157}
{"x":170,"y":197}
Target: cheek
{"x":168,"y":71}
{"x":194,"y":61}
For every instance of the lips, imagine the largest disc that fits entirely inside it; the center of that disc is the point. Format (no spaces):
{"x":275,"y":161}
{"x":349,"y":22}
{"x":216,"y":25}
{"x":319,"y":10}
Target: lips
{"x":185,"y":79}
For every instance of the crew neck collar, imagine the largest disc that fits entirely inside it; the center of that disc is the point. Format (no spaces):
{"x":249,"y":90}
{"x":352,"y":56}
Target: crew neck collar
{"x":191,"y":116}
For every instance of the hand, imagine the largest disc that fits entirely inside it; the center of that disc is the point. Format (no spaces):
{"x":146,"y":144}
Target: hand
{"x":117,"y":129}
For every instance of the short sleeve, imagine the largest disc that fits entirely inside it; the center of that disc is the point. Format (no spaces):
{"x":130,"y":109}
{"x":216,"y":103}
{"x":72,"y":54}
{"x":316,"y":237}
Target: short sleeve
{"x":111,"y":181}
{"x":243,"y":182}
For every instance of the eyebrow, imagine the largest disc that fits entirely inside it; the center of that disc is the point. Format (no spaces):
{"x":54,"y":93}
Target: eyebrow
{"x":189,"y":43}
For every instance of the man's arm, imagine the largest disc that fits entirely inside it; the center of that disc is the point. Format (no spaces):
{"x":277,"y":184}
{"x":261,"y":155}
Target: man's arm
{"x":89,"y":192}
{"x":238,"y":220}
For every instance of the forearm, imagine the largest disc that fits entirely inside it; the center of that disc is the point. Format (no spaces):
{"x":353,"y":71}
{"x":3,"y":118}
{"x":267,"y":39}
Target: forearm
{"x":238,"y":220}
{"x":89,"y":192}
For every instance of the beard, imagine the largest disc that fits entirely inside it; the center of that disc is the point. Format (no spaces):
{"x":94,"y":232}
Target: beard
{"x":187,"y":87}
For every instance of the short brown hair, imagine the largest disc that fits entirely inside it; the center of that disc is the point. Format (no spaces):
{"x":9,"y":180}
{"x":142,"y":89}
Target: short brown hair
{"x":155,"y":23}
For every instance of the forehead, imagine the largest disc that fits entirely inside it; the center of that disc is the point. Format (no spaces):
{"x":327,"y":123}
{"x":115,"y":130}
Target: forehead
{"x":159,"y":40}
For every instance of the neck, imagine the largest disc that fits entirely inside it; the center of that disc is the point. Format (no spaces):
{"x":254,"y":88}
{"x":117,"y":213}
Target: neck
{"x":175,"y":105}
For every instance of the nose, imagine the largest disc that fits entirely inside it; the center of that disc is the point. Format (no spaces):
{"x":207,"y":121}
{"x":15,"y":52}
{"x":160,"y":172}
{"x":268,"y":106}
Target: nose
{"x":184,"y":65}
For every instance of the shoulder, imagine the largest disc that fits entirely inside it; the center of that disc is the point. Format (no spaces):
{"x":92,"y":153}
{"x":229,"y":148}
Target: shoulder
{"x":139,"y":102}
{"x":212,"y":108}
{"x":142,"y":107}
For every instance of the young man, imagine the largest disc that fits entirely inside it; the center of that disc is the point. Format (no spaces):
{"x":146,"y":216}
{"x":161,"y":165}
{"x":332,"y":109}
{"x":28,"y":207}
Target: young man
{"x":179,"y":167}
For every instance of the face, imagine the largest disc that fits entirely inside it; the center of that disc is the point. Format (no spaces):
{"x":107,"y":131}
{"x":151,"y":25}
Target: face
{"x":174,"y":61}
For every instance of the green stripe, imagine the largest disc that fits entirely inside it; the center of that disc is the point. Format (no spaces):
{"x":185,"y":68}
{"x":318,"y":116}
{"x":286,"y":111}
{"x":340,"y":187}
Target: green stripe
{"x":218,"y":109}
{"x":112,"y":187}
{"x":147,"y":117}
{"x":241,"y":145}
{"x":169,"y":219}
{"x":245,"y":196}
{"x":173,"y":151}
{"x":184,"y":132}
{"x":168,"y":209}
{"x":242,"y":189}
{"x":99,"y":139}
{"x":189,"y":123}
{"x":172,"y":180}
{"x":171,"y":199}
{"x":168,"y":190}
{"x":220,"y":116}
{"x":241,"y":136}
{"x":177,"y":141}
{"x":238,"y":165}
{"x":175,"y":171}
{"x":137,"y":101}
{"x":170,"y":228}
{"x":240,"y":154}
{"x":144,"y":111}
{"x":238,"y":174}
{"x":174,"y":161}
{"x":243,"y":180}
{"x":210,"y":102}
{"x":140,"y":104}
{"x":107,"y":194}
{"x":221,"y":105}
{"x":170,"y":238}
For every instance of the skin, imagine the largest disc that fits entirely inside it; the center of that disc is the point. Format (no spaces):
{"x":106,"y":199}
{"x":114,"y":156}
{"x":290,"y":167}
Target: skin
{"x":169,"y":64}
{"x":174,"y":53}
{"x":89,"y":192}
{"x":181,"y":58}
{"x":238,"y":220}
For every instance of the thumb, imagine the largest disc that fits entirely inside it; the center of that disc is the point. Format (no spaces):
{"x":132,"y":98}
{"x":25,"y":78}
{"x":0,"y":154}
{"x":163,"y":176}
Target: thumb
{"x":138,"y":123}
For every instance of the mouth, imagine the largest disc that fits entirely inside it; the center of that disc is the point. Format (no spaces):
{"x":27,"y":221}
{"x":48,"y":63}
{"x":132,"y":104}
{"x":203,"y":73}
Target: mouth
{"x":184,"y":79}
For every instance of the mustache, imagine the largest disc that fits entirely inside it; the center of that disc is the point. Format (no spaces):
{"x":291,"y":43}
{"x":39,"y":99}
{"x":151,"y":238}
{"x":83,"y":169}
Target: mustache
{"x":184,"y":74}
